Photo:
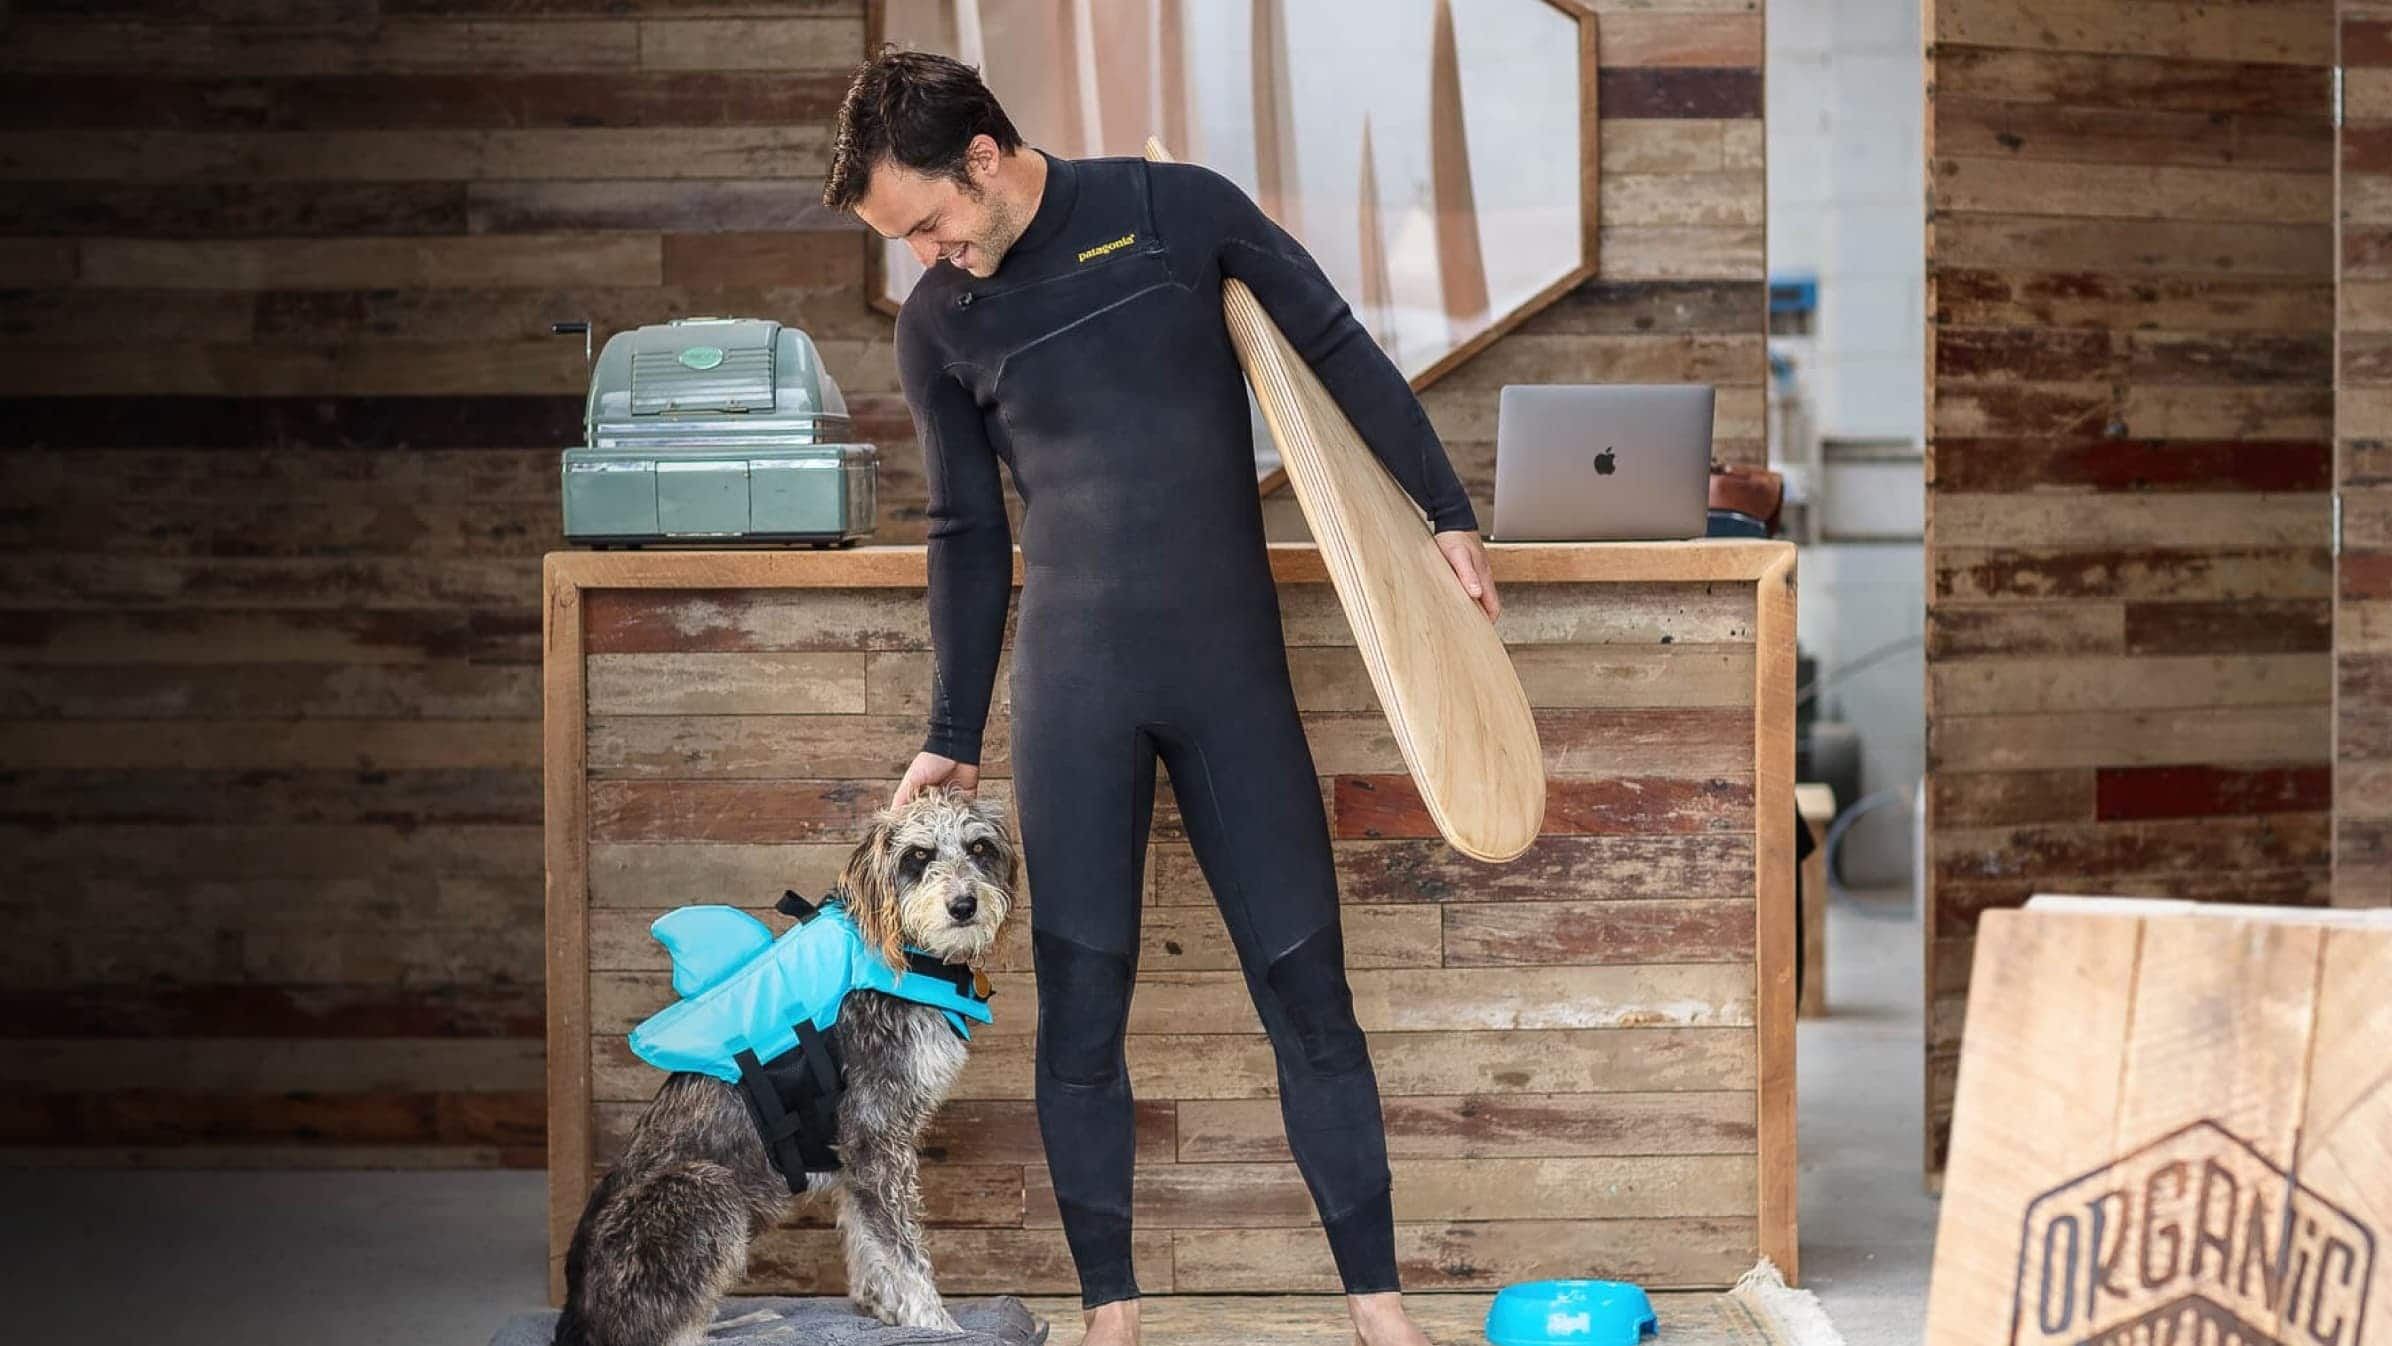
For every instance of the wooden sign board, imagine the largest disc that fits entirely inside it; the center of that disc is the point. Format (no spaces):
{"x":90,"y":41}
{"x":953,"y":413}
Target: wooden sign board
{"x":1452,"y":697}
{"x":2173,"y":1128}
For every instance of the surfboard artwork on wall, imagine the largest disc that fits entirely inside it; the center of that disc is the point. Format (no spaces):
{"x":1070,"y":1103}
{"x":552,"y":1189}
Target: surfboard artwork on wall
{"x":1452,"y":697}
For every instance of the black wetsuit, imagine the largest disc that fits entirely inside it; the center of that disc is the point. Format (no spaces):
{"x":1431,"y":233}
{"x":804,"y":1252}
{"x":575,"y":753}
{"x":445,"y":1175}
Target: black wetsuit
{"x":1097,"y":365}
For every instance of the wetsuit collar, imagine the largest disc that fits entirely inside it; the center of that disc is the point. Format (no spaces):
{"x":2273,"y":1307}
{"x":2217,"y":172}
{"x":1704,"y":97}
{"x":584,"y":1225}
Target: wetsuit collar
{"x":1054,"y":203}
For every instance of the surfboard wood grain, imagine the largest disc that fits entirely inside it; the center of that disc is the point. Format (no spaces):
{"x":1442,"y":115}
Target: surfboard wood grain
{"x":1450,"y":692}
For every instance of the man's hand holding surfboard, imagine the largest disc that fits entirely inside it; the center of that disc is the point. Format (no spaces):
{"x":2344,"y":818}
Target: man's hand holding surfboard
{"x":1468,"y":555}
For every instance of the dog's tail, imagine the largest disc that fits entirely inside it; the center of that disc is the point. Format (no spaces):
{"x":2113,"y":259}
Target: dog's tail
{"x":572,"y":1326}
{"x":652,"y":1255}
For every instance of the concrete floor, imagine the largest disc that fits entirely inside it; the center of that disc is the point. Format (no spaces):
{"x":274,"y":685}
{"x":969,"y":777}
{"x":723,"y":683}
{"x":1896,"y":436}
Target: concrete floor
{"x":415,"y":1259}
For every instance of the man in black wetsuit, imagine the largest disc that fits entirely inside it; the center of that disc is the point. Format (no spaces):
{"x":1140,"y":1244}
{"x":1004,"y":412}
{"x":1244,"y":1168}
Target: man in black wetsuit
{"x":1076,"y":336}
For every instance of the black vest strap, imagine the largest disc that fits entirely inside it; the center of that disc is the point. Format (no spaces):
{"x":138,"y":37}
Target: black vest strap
{"x":956,"y":975}
{"x":795,"y":1100}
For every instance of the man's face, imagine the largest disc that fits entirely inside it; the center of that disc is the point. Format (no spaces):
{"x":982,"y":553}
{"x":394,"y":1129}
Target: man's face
{"x":940,"y":220}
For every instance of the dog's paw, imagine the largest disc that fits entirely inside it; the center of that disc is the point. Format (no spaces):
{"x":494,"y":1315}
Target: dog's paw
{"x":927,"y":1315}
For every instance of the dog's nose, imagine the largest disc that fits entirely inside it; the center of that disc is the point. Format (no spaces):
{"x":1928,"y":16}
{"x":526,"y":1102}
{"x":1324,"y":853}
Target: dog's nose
{"x":962,"y":905}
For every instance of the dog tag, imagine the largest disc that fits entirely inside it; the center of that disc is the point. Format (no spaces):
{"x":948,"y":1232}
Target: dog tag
{"x":980,"y":983}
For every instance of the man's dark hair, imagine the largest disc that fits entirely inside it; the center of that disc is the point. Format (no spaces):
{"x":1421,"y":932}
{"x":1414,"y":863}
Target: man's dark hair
{"x":918,"y":108}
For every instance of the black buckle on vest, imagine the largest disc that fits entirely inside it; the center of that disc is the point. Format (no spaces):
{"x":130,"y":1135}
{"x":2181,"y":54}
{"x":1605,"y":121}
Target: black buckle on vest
{"x":795,"y":1100}
{"x":957,"y":975}
{"x":793,"y":905}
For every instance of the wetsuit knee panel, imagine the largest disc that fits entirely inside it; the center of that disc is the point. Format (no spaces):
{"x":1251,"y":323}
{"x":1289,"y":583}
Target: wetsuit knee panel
{"x":1083,"y":1008}
{"x":1310,"y":984}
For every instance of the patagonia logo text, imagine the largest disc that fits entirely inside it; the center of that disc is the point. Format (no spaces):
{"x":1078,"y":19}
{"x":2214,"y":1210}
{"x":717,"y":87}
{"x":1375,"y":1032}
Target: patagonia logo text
{"x":1102,"y":248}
{"x":2195,"y":1238}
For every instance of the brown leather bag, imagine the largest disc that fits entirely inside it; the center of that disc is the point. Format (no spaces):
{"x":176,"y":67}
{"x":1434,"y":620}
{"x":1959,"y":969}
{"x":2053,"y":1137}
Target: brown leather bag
{"x":1756,"y":491}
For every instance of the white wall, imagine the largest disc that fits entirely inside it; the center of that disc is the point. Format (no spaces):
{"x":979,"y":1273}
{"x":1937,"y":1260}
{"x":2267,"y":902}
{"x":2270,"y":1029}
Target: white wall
{"x":1847,"y":203}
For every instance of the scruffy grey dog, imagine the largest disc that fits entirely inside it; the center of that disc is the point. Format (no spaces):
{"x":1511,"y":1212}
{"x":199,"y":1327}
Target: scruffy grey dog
{"x":666,"y":1232}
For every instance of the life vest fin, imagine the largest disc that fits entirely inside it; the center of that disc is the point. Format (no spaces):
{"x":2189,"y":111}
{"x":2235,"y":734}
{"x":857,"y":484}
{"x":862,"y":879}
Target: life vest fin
{"x":708,"y":944}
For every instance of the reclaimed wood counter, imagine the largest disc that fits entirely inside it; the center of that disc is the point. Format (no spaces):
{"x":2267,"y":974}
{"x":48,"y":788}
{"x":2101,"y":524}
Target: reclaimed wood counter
{"x":1586,"y":1055}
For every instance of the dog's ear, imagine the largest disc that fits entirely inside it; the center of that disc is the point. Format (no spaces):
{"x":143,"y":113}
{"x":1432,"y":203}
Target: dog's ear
{"x":999,"y":816}
{"x":870,"y":881}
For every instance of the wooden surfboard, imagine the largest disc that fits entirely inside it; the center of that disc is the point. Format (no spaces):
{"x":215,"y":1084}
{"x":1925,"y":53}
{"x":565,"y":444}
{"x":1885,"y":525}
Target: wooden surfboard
{"x":1441,"y":672}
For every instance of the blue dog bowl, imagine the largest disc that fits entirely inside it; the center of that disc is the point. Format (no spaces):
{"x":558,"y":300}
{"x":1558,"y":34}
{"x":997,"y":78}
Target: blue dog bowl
{"x":1570,"y":1313}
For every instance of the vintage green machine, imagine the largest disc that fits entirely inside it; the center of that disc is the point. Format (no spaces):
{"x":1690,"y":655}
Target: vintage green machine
{"x":713,"y":431}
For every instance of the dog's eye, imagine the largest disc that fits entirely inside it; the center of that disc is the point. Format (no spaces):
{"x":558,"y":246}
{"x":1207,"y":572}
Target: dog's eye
{"x":981,"y":848}
{"x":917,"y":855}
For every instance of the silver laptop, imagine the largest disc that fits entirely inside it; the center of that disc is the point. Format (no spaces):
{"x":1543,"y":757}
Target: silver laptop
{"x":1602,"y":462}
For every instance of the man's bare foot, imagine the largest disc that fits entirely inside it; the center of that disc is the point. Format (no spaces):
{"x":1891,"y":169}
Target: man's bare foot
{"x":1111,"y":1324}
{"x":1379,"y":1320}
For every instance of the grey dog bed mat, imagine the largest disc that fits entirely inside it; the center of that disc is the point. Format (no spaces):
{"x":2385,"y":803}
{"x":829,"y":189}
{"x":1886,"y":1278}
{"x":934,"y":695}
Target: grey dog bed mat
{"x":773,"y":1320}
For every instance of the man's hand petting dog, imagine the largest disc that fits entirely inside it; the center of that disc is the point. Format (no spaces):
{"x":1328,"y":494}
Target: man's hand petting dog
{"x":666,"y":1231}
{"x":930,"y":769}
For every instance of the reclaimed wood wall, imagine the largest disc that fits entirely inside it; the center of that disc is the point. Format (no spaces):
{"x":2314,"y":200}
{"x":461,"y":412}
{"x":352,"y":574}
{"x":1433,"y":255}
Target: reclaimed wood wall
{"x":1569,"y":1045}
{"x":278,"y":452}
{"x":2363,"y":465}
{"x":2130,"y":314}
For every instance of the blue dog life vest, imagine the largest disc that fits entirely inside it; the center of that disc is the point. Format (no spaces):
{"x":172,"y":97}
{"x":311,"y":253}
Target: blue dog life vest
{"x":761,"y":1013}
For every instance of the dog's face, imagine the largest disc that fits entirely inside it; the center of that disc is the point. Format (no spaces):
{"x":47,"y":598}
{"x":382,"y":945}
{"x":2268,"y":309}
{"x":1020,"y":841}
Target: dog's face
{"x":938,"y":872}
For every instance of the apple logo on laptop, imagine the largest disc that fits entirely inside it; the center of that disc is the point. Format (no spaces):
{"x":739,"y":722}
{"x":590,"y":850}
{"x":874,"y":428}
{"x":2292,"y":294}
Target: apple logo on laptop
{"x":1604,"y":464}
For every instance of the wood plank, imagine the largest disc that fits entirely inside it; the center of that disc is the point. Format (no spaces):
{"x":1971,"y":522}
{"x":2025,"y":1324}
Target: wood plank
{"x":2237,"y":519}
{"x":447,"y":100}
{"x":2247,"y":627}
{"x":2122,"y":191}
{"x":1958,"y":905}
{"x":1386,"y":1000}
{"x":1173,"y":939}
{"x":2078,"y":1054}
{"x":2008,"y":798}
{"x":229,"y":797}
{"x":1774,"y":963}
{"x":1954,"y":630}
{"x":2269,"y":841}
{"x":969,"y":1262}
{"x":272,"y":1065}
{"x":2211,"y":682}
{"x":982,"y":1131}
{"x":571,"y":1073}
{"x":1192,"y":1066}
{"x":1588,"y":933}
{"x":1680,"y":1252}
{"x":2127,"y":792}
{"x":520,"y":260}
{"x":366,"y":745}
{"x":1973,"y":573}
{"x":1466,"y":1126}
{"x":2246,"y":33}
{"x":293,"y":422}
{"x":2092,"y":80}
{"x":479,"y":155}
{"x":257,"y":691}
{"x":191,"y":1114}
{"x":2078,"y":354}
{"x":1664,"y":91}
{"x":1389,"y":806}
{"x":2031,"y":241}
{"x":1645,"y":39}
{"x":1232,"y":1195}
{"x":1984,"y":128}
{"x":1577,"y":867}
{"x":1983,"y":297}
{"x":2192,"y":736}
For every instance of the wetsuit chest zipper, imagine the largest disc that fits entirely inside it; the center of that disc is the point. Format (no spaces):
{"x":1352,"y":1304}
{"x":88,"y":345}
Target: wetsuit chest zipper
{"x":969,"y":297}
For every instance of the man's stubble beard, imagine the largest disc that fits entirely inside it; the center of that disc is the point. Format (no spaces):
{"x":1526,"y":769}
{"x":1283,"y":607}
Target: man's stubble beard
{"x":1004,"y":229}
